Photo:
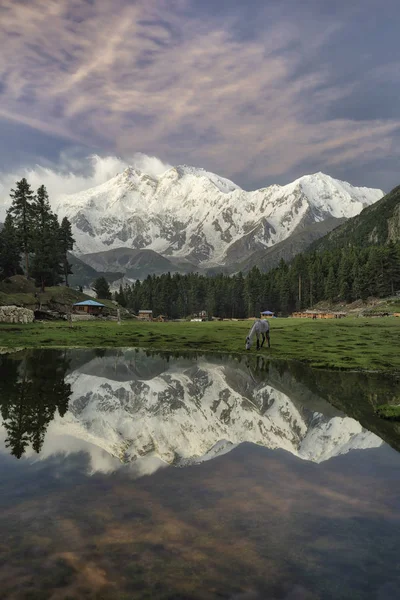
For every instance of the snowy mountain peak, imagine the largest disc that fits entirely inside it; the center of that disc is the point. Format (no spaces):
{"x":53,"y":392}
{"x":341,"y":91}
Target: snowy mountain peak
{"x":188,"y":212}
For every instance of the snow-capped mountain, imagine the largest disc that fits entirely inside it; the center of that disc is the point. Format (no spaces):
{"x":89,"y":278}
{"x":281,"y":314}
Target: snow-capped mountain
{"x":183,"y":413}
{"x":193,"y":214}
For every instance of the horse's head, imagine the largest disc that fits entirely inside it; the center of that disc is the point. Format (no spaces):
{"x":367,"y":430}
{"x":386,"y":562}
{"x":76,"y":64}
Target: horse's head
{"x":248,"y":343}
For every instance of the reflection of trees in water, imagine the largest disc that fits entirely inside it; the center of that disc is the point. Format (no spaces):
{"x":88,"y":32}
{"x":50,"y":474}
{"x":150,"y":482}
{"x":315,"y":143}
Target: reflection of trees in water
{"x":31,"y":390}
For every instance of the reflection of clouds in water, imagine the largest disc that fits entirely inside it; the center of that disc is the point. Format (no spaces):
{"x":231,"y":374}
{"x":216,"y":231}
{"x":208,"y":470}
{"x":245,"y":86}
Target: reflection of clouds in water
{"x":297,"y":592}
{"x":389,"y":591}
{"x":3,"y":435}
{"x":59,"y":447}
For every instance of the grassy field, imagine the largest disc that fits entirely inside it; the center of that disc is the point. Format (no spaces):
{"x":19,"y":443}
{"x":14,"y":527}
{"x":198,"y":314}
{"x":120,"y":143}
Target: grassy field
{"x":350,"y":343}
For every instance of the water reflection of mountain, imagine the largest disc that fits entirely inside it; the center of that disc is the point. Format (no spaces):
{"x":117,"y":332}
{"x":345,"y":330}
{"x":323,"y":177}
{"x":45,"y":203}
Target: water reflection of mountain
{"x":120,"y":365}
{"x":354,"y":392}
{"x":190,"y":411}
{"x":134,"y":404}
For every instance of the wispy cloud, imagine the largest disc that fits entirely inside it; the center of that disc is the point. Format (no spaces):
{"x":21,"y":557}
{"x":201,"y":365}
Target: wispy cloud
{"x":71,"y":175}
{"x":151,"y":76}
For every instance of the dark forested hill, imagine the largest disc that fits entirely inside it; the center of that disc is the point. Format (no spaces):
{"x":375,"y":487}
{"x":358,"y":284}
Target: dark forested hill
{"x":376,"y":224}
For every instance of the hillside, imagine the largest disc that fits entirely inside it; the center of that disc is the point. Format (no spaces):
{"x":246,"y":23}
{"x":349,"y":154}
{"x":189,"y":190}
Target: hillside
{"x":83,"y":274}
{"x":135,"y":264}
{"x":376,"y":224}
{"x":298,"y":242}
{"x":20,"y":291}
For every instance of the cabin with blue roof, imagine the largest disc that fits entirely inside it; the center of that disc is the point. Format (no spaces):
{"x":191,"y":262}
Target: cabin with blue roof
{"x":89,"y":307}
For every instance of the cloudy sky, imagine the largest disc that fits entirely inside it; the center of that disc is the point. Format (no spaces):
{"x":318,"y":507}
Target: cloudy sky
{"x":261,"y":91}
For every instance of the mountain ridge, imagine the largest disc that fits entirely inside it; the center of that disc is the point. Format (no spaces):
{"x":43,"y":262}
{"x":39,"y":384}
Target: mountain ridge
{"x":378,"y":223}
{"x":192,"y":214}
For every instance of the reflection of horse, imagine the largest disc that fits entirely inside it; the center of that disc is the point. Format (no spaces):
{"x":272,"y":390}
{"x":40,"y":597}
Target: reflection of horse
{"x":259,"y":327}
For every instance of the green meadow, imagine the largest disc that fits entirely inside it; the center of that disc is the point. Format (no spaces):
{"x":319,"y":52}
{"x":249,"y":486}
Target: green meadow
{"x":349,"y":343}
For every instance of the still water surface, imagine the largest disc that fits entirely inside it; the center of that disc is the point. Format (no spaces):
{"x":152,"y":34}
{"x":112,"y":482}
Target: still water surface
{"x":125,"y":474}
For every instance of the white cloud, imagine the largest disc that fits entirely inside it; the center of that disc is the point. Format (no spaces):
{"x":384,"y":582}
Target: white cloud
{"x":59,"y":443}
{"x":72,"y":175}
{"x":150,"y":164}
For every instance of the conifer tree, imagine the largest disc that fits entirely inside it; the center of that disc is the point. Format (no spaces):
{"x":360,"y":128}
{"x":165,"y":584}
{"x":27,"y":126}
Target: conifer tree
{"x":284,"y":292}
{"x":393,"y":267}
{"x":66,"y":244}
{"x":102,"y":288}
{"x":10,"y":256}
{"x":330,"y":286}
{"x":41,"y":211}
{"x":345,"y":277}
{"x":21,"y":211}
{"x":120,"y":296}
{"x":46,"y":264}
{"x":45,"y":245}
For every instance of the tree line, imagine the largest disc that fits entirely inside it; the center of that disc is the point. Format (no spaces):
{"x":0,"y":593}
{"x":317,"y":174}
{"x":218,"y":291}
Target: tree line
{"x":32,"y":240}
{"x":341,"y":275}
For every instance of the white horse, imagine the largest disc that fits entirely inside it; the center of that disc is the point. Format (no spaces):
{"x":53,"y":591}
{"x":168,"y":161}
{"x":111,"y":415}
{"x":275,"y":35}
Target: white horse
{"x":261,"y":326}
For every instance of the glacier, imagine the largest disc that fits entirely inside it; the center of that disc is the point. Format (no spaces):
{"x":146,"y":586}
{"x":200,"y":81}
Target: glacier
{"x":193,"y":214}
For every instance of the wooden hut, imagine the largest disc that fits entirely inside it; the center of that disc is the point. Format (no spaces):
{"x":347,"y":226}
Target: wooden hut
{"x":90,"y":307}
{"x":266,"y":313}
{"x":313,"y":314}
{"x":145,"y":315}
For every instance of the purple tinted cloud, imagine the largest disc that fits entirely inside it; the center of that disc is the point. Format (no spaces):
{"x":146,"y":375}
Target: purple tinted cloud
{"x":256,"y":91}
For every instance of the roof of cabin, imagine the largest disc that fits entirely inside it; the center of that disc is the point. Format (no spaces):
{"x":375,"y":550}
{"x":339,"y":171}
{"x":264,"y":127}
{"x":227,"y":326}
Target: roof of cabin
{"x":88,"y":303}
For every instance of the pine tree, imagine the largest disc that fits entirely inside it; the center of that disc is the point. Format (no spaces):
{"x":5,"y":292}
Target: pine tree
{"x":45,"y":266}
{"x":10,"y":256}
{"x":66,"y":245}
{"x":102,"y":288}
{"x":238,"y":301}
{"x":284,"y":292}
{"x":330,"y":285}
{"x":393,"y":267}
{"x":253,"y":292}
{"x":120,"y":296}
{"x":345,"y":276}
{"x":21,"y":211}
{"x":41,"y":211}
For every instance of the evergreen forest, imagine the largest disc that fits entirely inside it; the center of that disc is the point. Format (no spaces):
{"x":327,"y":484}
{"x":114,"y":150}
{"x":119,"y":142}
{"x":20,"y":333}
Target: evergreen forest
{"x":341,"y":275}
{"x":32,"y":241}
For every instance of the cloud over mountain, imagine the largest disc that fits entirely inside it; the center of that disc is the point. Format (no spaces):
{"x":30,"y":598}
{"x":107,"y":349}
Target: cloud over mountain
{"x":253,"y":95}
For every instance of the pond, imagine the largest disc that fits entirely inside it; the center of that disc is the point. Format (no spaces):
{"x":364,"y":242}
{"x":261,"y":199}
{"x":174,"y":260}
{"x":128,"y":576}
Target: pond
{"x":129,"y":474}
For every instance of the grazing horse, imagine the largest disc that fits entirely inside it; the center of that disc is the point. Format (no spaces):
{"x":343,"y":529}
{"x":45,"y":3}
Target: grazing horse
{"x":259,"y":327}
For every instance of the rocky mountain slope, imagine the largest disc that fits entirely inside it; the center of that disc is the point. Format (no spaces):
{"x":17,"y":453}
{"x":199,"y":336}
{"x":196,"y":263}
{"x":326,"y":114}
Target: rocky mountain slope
{"x":84,"y":274}
{"x":376,"y":224}
{"x":192,"y":214}
{"x":182,"y":413}
{"x":136,"y":264}
{"x":299,"y":241}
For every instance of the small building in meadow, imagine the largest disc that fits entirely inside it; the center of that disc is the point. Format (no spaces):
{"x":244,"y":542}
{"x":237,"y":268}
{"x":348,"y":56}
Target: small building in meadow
{"x":145,"y":315}
{"x":90,"y":307}
{"x":316,"y":314}
{"x":266,"y":313}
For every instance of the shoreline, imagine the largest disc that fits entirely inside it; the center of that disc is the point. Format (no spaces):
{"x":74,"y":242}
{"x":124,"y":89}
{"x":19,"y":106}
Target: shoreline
{"x":351,"y":344}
